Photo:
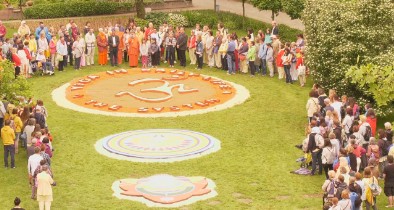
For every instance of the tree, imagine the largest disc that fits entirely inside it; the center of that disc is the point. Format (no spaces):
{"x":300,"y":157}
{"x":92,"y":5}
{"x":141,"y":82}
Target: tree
{"x":11,"y":88}
{"x":293,"y":8}
{"x":342,"y":34}
{"x":243,"y":13}
{"x":140,"y":8}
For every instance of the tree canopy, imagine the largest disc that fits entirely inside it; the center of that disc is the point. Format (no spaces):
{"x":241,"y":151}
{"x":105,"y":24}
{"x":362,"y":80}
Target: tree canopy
{"x":11,"y":88}
{"x":293,"y":8}
{"x":343,"y":36}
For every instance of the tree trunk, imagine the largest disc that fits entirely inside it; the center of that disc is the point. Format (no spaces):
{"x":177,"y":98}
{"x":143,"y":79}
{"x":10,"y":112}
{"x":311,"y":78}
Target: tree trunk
{"x":243,"y":13}
{"x":214,"y":5}
{"x":140,"y":8}
{"x":273,"y":15}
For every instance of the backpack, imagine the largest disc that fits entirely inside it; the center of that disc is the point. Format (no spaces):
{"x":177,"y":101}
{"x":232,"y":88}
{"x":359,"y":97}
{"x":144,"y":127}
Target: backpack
{"x":9,"y":55}
{"x":356,"y":199}
{"x":340,"y":188}
{"x":331,"y":190}
{"x":386,"y":147}
{"x":368,"y":133}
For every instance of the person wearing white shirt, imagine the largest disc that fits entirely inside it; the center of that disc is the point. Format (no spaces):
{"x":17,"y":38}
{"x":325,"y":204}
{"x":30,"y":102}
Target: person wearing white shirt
{"x":209,"y":48}
{"x":337,"y":106}
{"x":34,"y":162}
{"x":47,"y":66}
{"x":348,"y":121}
{"x":90,"y":40}
{"x":61,"y":50}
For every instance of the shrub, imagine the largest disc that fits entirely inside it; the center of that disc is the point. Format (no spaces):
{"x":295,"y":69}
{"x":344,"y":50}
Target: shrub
{"x":341,"y":34}
{"x":74,"y":9}
{"x":11,"y":88}
{"x":177,"y":20}
{"x":157,"y":18}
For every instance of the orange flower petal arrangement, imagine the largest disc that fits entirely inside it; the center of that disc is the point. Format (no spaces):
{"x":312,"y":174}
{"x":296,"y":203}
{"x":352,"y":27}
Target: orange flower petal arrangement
{"x":149,"y":93}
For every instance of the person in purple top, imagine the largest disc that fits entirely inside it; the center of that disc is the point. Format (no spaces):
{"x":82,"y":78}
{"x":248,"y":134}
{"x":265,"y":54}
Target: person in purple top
{"x":231,"y":56}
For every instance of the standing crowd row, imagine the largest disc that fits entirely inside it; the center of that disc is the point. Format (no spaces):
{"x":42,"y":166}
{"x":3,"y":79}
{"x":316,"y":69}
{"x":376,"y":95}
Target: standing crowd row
{"x":48,"y":48}
{"x":344,"y":141}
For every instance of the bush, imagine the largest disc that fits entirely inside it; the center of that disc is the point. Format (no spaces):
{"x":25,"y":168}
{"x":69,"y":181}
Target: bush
{"x":11,"y":88}
{"x":234,"y":22}
{"x":177,"y":20}
{"x":341,"y":34}
{"x":74,"y":9}
{"x":157,"y":18}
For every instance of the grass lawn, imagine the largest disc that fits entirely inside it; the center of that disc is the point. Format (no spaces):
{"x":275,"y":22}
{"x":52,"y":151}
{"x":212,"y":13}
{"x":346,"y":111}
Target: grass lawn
{"x":251,"y":170}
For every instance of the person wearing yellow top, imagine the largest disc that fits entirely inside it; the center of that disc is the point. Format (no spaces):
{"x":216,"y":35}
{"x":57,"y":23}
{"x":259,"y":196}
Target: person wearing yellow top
{"x":17,"y":126}
{"x":8,"y":136}
{"x":32,"y":45}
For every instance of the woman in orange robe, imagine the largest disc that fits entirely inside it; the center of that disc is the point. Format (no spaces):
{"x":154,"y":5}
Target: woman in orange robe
{"x":134,"y":49}
{"x":102,"y":44}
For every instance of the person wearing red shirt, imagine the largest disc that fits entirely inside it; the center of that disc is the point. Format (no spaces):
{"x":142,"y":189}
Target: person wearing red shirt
{"x":17,"y":62}
{"x":279,"y":62}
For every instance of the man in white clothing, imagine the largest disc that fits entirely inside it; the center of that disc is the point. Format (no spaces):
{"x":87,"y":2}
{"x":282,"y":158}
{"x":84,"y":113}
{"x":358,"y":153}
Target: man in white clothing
{"x":90,"y":40}
{"x":34,"y":162}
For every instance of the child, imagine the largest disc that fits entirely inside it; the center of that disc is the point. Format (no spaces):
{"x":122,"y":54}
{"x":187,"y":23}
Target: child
{"x":170,"y":48}
{"x":155,"y":53}
{"x":144,"y":48}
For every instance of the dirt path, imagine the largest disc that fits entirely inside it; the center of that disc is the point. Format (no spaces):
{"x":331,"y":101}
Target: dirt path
{"x":250,"y":11}
{"x":230,"y":6}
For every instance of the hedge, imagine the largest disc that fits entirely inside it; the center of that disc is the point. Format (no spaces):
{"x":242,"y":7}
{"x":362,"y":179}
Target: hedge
{"x":75,"y":9}
{"x":234,"y":22}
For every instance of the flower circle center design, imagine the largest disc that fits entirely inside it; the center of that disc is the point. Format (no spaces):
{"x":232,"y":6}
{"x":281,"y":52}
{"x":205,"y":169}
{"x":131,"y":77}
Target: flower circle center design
{"x":157,"y":145}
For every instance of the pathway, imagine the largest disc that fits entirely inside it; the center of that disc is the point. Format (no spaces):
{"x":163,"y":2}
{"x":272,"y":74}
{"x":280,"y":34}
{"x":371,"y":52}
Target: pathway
{"x":232,"y":6}
{"x":250,"y":11}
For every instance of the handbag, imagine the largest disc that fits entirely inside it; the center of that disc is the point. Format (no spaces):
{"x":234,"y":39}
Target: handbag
{"x":23,"y":136}
{"x":301,"y":69}
{"x":59,"y":57}
{"x":375,"y":188}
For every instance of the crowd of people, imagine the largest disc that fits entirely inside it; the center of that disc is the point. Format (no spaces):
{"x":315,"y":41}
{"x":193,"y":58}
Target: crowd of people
{"x":25,"y":128}
{"x":54,"y":48}
{"x":344,"y":141}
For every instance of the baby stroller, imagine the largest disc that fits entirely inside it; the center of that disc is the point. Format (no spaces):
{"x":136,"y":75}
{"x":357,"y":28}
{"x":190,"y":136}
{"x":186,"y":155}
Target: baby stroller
{"x":306,"y":161}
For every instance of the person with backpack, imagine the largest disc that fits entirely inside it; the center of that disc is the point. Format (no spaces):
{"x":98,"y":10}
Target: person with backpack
{"x":16,"y":125}
{"x":370,"y":197}
{"x":328,"y":156}
{"x":388,"y":175}
{"x":329,"y":187}
{"x":384,"y":147}
{"x":315,"y":145}
{"x":348,"y":122}
{"x":355,"y":193}
{"x":373,"y":151}
{"x":365,"y":129}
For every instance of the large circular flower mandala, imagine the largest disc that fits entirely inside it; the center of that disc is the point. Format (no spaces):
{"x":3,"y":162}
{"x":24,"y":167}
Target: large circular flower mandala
{"x":164,"y":190}
{"x":157,"y":145}
{"x":149,"y":93}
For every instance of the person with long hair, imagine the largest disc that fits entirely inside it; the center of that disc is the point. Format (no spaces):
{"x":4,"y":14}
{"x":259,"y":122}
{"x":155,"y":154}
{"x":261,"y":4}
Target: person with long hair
{"x":286,"y":61}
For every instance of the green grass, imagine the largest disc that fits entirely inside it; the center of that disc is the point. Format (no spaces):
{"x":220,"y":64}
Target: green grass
{"x":257,"y":154}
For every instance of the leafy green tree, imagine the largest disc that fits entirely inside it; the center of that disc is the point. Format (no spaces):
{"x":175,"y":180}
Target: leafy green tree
{"x":293,"y":8}
{"x":11,"y":88}
{"x":342,"y":34}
